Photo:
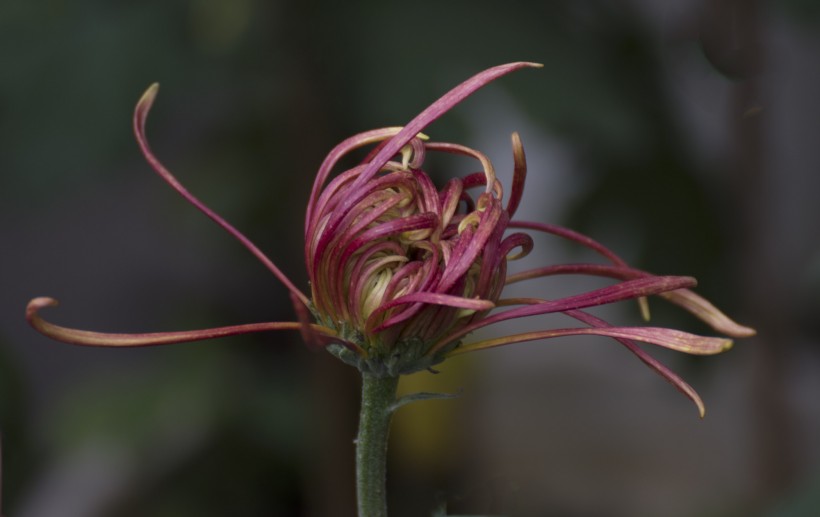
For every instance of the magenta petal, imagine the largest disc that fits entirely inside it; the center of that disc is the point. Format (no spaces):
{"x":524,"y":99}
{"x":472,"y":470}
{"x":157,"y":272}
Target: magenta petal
{"x":623,"y":291}
{"x":647,"y":359}
{"x":667,"y":374}
{"x":685,"y":298}
{"x":516,"y":240}
{"x":571,"y":235}
{"x":312,"y":339}
{"x":438,"y":299}
{"x":437,"y":109}
{"x":519,"y":175}
{"x":470,"y":245}
{"x":448,"y":300}
{"x":349,"y":144}
{"x":425,"y":221}
{"x":140,"y":116}
{"x":667,"y":338}
{"x":88,"y":338}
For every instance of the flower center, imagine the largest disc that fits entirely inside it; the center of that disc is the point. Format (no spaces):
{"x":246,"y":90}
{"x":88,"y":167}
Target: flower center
{"x":379,"y":248}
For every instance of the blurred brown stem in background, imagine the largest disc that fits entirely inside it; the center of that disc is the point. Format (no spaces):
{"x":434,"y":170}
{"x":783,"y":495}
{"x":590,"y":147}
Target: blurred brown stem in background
{"x":733,"y":40}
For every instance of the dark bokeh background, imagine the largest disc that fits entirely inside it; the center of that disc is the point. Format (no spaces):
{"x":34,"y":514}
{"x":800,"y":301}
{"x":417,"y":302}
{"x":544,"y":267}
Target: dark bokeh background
{"x":684,"y":134}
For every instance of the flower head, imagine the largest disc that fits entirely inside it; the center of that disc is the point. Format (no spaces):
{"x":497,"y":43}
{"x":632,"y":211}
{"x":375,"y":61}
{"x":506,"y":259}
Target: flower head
{"x":401,"y":272}
{"x":395,"y":264}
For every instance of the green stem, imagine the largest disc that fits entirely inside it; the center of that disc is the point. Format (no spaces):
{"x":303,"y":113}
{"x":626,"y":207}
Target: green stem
{"x":378,"y":394}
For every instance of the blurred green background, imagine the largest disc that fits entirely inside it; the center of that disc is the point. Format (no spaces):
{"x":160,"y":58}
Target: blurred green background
{"x":683,"y":134}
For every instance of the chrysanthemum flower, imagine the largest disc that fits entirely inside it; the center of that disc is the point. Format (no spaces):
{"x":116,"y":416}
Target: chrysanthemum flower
{"x":402,"y":272}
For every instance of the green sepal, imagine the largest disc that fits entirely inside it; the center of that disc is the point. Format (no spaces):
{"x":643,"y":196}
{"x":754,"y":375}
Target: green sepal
{"x":422,"y":395}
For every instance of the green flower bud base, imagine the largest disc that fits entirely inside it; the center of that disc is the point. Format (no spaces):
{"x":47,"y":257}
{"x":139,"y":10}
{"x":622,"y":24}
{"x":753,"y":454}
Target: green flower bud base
{"x":404,"y":359}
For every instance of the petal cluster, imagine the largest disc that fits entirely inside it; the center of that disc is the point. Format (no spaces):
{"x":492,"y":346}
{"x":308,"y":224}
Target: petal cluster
{"x":395,"y":264}
{"x":402,"y":271}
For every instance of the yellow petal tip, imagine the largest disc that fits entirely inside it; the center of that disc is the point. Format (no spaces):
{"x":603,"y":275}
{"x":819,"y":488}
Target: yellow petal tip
{"x":148,"y":97}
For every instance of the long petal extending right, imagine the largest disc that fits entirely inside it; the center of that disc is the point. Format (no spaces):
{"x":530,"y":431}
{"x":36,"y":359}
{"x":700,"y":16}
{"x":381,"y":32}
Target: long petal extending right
{"x":627,"y":290}
{"x":140,"y":116}
{"x":667,"y":338}
{"x":685,"y":298}
{"x":88,"y":338}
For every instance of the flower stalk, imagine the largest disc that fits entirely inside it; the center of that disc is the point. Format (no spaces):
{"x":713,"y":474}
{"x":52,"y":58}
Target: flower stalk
{"x":378,"y":399}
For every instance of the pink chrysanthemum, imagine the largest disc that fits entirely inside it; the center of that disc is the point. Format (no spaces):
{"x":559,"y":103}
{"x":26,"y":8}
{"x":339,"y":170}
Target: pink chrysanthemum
{"x":401,"y":272}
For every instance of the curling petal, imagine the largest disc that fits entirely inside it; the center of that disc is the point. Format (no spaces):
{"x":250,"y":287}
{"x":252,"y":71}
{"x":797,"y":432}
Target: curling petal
{"x":519,"y":174}
{"x":673,"y":378}
{"x":437,"y":109}
{"x":88,"y":338}
{"x":659,"y":368}
{"x":140,"y":117}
